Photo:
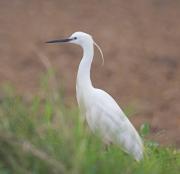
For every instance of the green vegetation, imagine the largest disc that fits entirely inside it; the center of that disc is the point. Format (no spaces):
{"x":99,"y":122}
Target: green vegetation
{"x":42,"y":135}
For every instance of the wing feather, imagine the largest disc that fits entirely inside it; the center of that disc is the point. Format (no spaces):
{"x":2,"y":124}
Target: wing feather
{"x":106,"y":117}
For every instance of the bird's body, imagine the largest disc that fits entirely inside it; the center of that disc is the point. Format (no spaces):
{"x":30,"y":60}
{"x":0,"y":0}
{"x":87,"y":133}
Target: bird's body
{"x":100,"y":110}
{"x":107,"y":119}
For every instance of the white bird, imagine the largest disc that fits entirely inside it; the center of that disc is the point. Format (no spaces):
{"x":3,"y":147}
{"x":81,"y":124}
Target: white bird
{"x":100,"y":110}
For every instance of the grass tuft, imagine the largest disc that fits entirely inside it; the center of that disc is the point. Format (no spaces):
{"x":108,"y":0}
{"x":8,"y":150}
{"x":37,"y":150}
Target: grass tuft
{"x":43,"y":135}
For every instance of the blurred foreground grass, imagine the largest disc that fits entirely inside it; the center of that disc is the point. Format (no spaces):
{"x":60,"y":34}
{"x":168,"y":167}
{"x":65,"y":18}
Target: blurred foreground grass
{"x":43,"y":135}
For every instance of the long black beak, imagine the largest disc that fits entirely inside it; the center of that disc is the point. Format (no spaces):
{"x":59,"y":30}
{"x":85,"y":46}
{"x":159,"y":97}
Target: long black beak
{"x":59,"y":40}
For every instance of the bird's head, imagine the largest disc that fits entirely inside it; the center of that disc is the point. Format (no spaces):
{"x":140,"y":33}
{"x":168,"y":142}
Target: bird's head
{"x":79,"y":38}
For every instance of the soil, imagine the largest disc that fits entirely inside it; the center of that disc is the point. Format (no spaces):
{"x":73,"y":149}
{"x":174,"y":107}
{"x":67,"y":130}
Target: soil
{"x":140,"y":41}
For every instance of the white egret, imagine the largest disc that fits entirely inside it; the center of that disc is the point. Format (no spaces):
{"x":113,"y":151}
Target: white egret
{"x":100,"y":110}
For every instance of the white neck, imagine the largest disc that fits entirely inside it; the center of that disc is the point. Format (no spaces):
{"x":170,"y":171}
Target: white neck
{"x":83,"y":76}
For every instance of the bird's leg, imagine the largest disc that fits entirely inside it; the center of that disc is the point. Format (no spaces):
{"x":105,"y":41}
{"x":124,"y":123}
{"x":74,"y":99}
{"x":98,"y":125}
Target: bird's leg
{"x":106,"y":146}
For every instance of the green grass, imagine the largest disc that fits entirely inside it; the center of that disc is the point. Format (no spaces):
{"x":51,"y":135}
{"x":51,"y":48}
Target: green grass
{"x":43,"y":135}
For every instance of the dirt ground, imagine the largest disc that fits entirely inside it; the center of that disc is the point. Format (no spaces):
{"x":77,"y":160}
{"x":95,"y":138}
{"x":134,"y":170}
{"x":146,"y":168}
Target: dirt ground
{"x":140,"y":40}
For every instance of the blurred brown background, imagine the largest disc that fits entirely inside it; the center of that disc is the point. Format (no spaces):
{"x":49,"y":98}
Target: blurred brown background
{"x":140,"y":41}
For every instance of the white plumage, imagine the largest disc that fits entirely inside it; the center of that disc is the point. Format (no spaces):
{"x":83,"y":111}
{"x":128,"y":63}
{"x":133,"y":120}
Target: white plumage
{"x":100,"y":110}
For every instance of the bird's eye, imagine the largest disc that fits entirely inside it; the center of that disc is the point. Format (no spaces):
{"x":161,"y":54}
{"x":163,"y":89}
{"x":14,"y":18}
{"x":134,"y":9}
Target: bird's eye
{"x":75,"y":38}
